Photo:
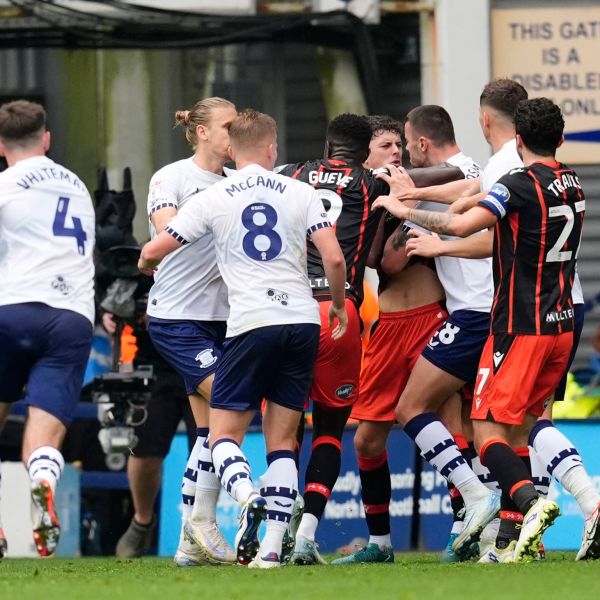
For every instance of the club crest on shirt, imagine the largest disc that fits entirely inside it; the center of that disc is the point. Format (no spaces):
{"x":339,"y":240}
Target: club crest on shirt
{"x":59,"y":283}
{"x":277,"y":296}
{"x":206,"y":358}
{"x":344,"y":391}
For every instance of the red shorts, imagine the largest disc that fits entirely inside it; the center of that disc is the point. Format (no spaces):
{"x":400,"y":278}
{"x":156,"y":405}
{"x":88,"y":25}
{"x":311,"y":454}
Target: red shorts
{"x":517,"y":374}
{"x":394,"y":347}
{"x":337,"y":369}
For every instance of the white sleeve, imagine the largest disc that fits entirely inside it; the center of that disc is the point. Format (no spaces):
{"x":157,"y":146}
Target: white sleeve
{"x":316,"y":215}
{"x":192,"y":221}
{"x":163,"y":192}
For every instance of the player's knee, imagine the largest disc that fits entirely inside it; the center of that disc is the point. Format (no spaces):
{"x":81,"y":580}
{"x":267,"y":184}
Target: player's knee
{"x":404,"y":413}
{"x":368,"y":445}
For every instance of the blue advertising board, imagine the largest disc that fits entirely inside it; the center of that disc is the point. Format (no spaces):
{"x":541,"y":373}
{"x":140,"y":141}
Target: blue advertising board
{"x":343,"y":520}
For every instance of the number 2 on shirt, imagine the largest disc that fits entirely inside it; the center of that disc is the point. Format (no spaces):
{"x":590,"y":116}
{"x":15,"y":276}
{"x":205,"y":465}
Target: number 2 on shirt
{"x":60,"y":229}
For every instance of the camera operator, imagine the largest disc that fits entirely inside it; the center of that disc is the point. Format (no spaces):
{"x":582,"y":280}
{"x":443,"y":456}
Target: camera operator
{"x":150,"y":427}
{"x":167,"y":406}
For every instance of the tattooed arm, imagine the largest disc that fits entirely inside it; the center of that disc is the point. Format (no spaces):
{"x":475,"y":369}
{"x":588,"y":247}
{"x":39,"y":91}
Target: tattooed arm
{"x":475,"y":219}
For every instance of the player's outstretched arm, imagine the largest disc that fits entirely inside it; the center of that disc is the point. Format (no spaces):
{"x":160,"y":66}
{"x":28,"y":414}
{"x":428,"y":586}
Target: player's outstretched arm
{"x":473,"y":220}
{"x":153,"y":252}
{"x":440,"y":183}
{"x":478,"y":245}
{"x":465,"y":203}
{"x":335,"y":271}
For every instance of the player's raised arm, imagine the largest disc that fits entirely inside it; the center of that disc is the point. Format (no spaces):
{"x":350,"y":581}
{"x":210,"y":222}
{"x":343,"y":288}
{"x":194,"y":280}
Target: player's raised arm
{"x":335,"y":270}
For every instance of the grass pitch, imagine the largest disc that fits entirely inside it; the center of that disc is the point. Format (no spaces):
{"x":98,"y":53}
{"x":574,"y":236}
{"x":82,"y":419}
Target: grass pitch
{"x":412,"y":576}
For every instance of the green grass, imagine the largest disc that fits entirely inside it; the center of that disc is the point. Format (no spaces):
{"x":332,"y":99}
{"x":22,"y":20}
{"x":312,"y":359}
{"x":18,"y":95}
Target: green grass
{"x":412,"y":576}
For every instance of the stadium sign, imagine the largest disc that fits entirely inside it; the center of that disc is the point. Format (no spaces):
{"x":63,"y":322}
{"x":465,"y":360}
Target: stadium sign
{"x":553,"y":52}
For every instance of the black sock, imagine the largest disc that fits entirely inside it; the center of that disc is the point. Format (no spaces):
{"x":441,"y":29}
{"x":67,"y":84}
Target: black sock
{"x":510,"y":520}
{"x":321,"y":474}
{"x":511,"y":473}
{"x":376,"y":491}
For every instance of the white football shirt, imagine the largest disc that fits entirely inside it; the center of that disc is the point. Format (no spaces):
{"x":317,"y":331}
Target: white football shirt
{"x":47,"y":236}
{"x":467,"y":282}
{"x":187,"y":284}
{"x":259,"y":221}
{"x":506,"y":159}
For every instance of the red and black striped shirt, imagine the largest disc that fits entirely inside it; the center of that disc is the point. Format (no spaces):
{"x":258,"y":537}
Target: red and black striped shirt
{"x":347,"y":190}
{"x":540,"y":210}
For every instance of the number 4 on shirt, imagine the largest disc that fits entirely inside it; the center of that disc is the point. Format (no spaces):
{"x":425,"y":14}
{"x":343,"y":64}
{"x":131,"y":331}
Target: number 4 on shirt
{"x":60,"y":229}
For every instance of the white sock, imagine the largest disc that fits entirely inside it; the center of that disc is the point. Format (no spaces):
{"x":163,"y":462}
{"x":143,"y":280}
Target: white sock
{"x":565,"y":464}
{"x":233,"y":470}
{"x":308,"y":527}
{"x":383,"y":541}
{"x":439,"y":449}
{"x":208,"y":487}
{"x":554,"y":448}
{"x":539,"y":473}
{"x":577,"y":482}
{"x":46,"y":463}
{"x":484,"y":475}
{"x":457,"y":526}
{"x":279,"y":488}
{"x":188,"y":483}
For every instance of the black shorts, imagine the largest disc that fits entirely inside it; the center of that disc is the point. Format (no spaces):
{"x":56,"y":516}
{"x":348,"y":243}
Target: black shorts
{"x":168,"y":405}
{"x":559,"y":394}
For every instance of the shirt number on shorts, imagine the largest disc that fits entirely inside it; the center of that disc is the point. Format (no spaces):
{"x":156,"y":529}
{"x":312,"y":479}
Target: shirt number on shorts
{"x":333,"y":204}
{"x":261,"y":242}
{"x":60,"y":229}
{"x":485,"y":373}
{"x":445,"y":335}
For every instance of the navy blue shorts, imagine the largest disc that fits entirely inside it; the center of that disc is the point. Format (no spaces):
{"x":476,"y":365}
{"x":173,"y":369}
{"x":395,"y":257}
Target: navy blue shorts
{"x":457,"y":345}
{"x":559,"y":394}
{"x":192,"y":348}
{"x":275,"y":362}
{"x":45,"y":349}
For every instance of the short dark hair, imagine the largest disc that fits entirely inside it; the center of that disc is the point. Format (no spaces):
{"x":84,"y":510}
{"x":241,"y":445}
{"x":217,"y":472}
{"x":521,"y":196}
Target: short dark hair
{"x":540,"y":124}
{"x":351,"y":131}
{"x":503,"y":95}
{"x":433,"y":122}
{"x":382,"y":123}
{"x":21,"y":122}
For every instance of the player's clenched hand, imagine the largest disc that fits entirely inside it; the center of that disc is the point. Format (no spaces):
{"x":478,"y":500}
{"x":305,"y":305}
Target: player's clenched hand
{"x":392,"y":205}
{"x":342,"y":321}
{"x":423,"y":244}
{"x":144,"y":268}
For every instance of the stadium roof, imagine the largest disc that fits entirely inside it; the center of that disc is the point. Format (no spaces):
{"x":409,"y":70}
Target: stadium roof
{"x":162,"y":25}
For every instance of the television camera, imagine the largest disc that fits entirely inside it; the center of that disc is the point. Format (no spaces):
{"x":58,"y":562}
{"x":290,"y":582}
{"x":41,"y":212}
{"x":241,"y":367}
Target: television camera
{"x":122,"y":393}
